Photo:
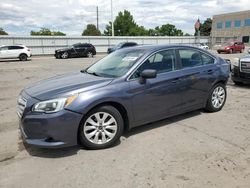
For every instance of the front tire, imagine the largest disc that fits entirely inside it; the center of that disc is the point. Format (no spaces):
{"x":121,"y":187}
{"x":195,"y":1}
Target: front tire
{"x":65,"y":55}
{"x":217,"y":98}
{"x":101,"y":128}
{"x":23,"y":57}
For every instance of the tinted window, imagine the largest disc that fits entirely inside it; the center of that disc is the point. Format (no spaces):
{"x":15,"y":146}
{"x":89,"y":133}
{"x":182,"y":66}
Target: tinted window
{"x":15,"y":47}
{"x":131,"y":44}
{"x":77,"y":45}
{"x":85,"y":46}
{"x":163,"y":61}
{"x":190,"y":58}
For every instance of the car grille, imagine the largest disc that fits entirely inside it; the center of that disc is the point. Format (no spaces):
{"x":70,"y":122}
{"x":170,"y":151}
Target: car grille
{"x":245,"y":66}
{"x":21,"y":105}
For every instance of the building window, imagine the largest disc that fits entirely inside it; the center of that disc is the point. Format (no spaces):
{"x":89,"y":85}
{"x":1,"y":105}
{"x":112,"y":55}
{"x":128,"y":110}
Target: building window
{"x":245,"y":39}
{"x":237,"y":23}
{"x":228,"y":24}
{"x":219,"y":25}
{"x":247,"y":22}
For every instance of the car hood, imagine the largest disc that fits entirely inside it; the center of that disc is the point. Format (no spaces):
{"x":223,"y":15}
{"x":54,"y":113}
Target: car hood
{"x":245,"y":58}
{"x":65,"y":85}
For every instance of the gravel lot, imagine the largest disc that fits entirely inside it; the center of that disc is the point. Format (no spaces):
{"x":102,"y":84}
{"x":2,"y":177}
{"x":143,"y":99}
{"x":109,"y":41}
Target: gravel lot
{"x":196,"y":149}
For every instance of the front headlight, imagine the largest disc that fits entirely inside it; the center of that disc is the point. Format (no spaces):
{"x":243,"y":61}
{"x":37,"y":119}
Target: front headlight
{"x":53,"y":105}
{"x":236,"y":62}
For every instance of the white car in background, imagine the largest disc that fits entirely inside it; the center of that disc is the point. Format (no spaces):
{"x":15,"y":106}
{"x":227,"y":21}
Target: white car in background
{"x":15,"y":51}
{"x":203,"y":46}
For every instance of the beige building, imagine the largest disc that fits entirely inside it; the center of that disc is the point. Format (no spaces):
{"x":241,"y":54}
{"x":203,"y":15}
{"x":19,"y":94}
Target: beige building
{"x":231,"y":26}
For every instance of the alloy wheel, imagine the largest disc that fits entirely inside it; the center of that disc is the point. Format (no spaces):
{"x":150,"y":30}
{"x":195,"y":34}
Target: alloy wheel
{"x":64,"y":55}
{"x":90,"y":54}
{"x":218,"y":97}
{"x":100,"y":128}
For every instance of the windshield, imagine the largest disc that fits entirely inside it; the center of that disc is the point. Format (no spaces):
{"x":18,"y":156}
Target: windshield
{"x":116,"y":64}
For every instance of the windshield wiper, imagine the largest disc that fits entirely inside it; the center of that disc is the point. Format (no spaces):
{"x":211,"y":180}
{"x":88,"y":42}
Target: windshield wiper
{"x":92,"y":73}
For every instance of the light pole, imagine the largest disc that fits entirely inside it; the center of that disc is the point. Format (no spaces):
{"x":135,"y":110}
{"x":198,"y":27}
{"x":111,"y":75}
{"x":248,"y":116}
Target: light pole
{"x":112,"y":23}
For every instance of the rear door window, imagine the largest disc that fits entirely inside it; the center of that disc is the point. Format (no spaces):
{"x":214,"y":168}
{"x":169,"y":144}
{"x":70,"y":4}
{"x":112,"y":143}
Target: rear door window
{"x":15,"y":47}
{"x":190,"y":58}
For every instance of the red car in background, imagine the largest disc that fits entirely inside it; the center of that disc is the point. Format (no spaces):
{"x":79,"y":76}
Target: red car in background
{"x":231,"y":47}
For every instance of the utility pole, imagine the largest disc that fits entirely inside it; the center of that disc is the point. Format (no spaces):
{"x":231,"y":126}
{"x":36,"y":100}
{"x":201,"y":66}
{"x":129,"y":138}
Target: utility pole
{"x":97,"y":18}
{"x":112,"y":22}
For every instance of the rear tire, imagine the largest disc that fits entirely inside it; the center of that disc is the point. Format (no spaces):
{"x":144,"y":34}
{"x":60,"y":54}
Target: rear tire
{"x":101,"y":128}
{"x":90,"y":54}
{"x":217,"y":98}
{"x":23,"y":57}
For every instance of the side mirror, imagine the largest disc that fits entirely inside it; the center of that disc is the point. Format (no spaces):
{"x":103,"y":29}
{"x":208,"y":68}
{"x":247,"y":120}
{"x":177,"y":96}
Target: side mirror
{"x":147,"y":74}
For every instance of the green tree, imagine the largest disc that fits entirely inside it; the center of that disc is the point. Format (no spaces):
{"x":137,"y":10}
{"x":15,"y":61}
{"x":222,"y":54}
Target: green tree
{"x":2,"y":32}
{"x":205,"y":28}
{"x":167,"y":30}
{"x":91,"y":30}
{"x":58,"y":33}
{"x":124,"y":25}
{"x":46,"y":32}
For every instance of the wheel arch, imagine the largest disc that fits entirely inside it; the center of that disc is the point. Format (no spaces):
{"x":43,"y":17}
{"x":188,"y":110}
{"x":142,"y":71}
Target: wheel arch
{"x":122,"y":110}
{"x":23,"y":53}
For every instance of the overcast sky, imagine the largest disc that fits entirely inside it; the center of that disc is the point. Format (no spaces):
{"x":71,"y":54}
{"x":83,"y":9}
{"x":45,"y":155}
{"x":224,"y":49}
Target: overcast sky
{"x":71,"y":16}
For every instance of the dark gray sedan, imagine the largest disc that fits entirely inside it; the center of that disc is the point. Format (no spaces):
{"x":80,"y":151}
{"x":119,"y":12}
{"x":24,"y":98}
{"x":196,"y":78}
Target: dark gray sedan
{"x":127,"y":88}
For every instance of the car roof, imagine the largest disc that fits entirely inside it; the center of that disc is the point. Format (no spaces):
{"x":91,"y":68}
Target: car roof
{"x":151,"y":48}
{"x":14,"y":45}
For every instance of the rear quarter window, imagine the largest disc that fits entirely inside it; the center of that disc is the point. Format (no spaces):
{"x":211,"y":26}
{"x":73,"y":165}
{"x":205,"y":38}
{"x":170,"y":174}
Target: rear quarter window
{"x":207,"y":59}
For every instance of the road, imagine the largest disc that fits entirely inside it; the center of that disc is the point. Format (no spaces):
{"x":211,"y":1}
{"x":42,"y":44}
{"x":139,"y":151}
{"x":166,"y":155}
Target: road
{"x":197,"y":149}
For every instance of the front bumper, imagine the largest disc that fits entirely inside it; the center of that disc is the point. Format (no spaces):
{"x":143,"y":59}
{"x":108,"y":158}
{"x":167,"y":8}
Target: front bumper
{"x":238,"y":76}
{"x":53,"y":130}
{"x":223,"y":50}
